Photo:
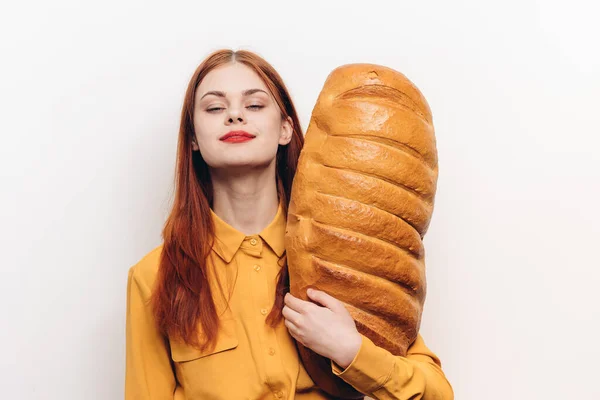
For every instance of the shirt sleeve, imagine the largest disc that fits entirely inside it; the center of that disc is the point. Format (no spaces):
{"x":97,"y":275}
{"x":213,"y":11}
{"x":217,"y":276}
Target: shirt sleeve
{"x":379,"y":374}
{"x":148,"y":371}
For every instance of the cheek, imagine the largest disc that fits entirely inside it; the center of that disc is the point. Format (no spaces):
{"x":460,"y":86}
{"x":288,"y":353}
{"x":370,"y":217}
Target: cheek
{"x":203,"y":127}
{"x":205,"y":132}
{"x":270,"y":125}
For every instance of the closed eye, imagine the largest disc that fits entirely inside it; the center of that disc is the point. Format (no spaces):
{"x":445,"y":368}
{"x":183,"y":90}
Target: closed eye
{"x":254,"y":106}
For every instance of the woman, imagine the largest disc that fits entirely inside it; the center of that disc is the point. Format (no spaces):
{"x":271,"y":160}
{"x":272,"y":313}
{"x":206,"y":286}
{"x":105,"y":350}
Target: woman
{"x":208,"y":316}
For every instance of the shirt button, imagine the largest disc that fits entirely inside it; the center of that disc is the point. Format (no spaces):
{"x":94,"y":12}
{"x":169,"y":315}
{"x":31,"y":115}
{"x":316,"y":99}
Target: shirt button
{"x":257,"y":267}
{"x":271,"y":351}
{"x":253,"y":241}
{"x":280,"y":394}
{"x":264,"y":311}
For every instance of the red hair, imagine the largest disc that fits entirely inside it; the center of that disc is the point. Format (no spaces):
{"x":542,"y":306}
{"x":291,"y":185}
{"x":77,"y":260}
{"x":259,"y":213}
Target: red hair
{"x":182,"y":296}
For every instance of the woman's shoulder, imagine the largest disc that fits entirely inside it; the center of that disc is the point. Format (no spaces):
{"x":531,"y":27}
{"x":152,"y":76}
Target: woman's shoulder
{"x":145,"y":270}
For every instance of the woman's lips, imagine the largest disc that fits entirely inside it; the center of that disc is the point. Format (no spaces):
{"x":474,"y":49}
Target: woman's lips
{"x":237,"y":139}
{"x":237,"y":136}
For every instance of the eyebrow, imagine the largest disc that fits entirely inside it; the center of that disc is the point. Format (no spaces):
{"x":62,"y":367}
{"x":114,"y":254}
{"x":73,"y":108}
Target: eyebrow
{"x":247,"y":92}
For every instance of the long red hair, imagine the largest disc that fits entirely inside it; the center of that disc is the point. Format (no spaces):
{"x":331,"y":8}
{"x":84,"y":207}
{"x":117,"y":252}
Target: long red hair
{"x":182,"y":296}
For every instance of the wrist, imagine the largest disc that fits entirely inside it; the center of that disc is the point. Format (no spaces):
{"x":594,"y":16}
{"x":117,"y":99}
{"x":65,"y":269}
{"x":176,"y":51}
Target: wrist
{"x":348,"y":352}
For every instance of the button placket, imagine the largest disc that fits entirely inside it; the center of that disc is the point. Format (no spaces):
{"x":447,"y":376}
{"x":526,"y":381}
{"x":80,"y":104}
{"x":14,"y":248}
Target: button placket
{"x":260,"y":272}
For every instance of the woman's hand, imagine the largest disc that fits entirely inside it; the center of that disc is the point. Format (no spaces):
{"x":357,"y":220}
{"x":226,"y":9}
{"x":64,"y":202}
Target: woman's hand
{"x":329,"y":331}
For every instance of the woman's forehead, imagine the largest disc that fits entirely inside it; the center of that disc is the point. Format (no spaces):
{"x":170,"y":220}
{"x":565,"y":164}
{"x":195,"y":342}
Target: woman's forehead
{"x":232,"y":80}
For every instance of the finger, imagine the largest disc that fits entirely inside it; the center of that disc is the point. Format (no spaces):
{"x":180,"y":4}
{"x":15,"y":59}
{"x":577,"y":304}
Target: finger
{"x":325,"y":299}
{"x":293,"y":330}
{"x":295,"y":303}
{"x":291,"y":315}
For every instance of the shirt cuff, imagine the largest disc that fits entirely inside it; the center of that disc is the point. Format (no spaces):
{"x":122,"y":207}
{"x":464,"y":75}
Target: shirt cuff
{"x":370,"y":369}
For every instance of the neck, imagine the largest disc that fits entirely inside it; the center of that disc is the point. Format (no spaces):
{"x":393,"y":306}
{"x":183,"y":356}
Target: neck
{"x":247,"y":201}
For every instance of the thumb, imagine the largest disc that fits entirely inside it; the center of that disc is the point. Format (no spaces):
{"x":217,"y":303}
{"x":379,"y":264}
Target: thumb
{"x":325,"y":299}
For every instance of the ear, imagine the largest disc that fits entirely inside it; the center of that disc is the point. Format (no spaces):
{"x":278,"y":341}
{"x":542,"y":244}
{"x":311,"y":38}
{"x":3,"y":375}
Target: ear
{"x":195,"y":145}
{"x":286,"y":131}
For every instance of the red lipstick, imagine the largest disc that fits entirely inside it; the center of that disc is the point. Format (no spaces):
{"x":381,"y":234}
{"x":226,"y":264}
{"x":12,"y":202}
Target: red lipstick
{"x":237,"y":137}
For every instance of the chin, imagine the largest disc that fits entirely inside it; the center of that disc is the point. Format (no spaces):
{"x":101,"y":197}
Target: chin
{"x":246,"y":164}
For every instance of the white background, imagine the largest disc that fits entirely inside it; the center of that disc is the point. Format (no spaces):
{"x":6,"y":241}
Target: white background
{"x":90,"y":96}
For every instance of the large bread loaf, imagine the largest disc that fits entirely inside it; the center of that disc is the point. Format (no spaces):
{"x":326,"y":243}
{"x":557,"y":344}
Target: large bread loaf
{"x":361,"y":202}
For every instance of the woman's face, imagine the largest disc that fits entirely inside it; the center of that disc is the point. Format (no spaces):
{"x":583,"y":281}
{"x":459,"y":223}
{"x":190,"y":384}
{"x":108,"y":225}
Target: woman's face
{"x":242,"y":102}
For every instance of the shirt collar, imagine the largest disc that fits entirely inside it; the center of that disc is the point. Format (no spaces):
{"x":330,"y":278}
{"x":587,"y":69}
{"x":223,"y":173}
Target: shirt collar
{"x":228,"y":239}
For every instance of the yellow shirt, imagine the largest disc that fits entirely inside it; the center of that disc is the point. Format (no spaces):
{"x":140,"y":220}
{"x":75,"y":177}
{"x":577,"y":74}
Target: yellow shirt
{"x":252,"y":360}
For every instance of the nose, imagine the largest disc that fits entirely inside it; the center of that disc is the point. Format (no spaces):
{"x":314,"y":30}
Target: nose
{"x":234,"y":114}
